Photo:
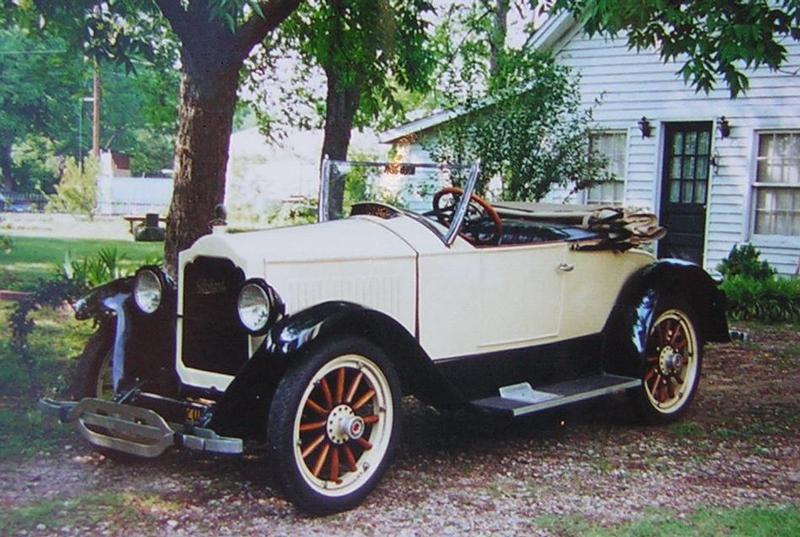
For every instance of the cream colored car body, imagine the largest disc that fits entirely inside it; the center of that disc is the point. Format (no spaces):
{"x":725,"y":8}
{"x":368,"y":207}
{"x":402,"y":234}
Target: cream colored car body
{"x":458,"y":300}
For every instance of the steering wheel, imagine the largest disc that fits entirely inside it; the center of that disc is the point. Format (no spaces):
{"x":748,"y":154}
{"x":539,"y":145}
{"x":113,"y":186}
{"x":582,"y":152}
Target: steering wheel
{"x":478,"y":210}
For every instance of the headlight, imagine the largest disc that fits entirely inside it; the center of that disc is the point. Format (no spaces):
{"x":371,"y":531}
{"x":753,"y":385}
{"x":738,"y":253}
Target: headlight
{"x":147,"y":290}
{"x":258,"y":306}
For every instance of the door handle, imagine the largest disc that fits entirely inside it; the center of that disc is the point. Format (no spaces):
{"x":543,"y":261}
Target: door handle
{"x":566,"y":267}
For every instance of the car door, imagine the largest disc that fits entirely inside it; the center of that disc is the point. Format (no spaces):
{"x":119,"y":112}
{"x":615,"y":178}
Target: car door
{"x":521,"y":290}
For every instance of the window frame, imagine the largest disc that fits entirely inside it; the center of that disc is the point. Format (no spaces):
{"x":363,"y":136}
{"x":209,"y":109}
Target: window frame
{"x":767,"y":239}
{"x":622,"y":179}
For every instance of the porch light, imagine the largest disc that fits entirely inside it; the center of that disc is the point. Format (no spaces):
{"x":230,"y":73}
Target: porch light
{"x":645,"y":127}
{"x":723,"y":127}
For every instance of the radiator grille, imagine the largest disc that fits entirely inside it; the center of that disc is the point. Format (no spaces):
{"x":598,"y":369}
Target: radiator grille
{"x":212,"y":338}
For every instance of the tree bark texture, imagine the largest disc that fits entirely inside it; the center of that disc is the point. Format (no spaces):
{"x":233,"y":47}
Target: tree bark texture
{"x":7,"y":166}
{"x":212,"y":55}
{"x":201,"y":156}
{"x":341,"y":104}
{"x":497,"y":41}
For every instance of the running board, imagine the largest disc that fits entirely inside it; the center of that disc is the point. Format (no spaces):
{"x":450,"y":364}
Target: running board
{"x":521,"y":399}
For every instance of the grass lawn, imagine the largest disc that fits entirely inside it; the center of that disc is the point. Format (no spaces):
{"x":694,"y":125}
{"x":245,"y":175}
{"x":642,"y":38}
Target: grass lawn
{"x":33,"y":258}
{"x":757,"y":521}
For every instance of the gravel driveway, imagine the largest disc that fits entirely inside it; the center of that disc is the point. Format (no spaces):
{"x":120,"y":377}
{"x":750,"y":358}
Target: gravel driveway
{"x":457,"y":472}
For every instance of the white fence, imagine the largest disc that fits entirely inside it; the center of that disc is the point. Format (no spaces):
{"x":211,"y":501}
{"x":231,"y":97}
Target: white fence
{"x":133,"y":195}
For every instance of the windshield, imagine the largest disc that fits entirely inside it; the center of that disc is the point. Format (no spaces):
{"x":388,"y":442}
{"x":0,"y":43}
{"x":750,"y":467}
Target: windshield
{"x":430,"y":193}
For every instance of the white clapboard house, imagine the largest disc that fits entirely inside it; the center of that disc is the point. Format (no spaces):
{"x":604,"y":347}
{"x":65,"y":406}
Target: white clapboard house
{"x":718,"y":171}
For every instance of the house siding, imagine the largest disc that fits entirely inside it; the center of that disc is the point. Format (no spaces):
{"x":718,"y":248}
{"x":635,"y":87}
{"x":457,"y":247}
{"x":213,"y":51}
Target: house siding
{"x":629,"y":84}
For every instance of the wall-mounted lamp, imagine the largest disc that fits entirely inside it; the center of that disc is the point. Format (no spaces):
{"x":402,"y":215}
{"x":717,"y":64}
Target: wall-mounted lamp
{"x":723,"y":127}
{"x":645,"y":127}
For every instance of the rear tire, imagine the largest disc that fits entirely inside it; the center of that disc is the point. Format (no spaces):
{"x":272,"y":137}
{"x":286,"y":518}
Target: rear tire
{"x":334,"y":424}
{"x":673,"y":361}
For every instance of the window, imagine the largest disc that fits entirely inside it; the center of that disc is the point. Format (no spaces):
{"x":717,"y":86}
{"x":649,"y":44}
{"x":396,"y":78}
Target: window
{"x":611,"y":145}
{"x":777,"y":185}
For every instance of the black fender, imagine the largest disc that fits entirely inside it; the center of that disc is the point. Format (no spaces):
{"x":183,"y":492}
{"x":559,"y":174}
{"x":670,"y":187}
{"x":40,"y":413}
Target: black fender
{"x":244,"y":406}
{"x":144,"y":345}
{"x":633,"y":314}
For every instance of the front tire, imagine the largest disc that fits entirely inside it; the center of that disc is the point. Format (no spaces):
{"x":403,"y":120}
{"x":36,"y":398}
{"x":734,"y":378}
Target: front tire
{"x":334,"y":424}
{"x":673,"y":360}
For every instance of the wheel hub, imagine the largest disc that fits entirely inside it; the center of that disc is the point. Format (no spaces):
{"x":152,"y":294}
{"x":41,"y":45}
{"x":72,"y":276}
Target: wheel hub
{"x":670,"y":362}
{"x":344,"y":425}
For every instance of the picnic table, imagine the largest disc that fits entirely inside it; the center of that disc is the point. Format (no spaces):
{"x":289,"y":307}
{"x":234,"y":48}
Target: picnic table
{"x":150,"y":219}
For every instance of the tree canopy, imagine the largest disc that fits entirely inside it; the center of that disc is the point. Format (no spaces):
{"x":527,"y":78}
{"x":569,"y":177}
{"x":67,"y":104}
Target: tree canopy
{"x":713,"y":39}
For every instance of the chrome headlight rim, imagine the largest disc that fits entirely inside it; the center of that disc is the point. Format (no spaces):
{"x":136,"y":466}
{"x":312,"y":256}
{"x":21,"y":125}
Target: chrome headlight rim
{"x":273,"y":303}
{"x":157,"y":280}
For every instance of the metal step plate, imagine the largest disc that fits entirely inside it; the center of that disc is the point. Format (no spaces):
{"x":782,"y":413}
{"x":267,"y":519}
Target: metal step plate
{"x":521,"y":399}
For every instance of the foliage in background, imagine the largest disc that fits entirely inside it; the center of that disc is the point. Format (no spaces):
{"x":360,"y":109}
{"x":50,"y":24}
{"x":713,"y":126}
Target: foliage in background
{"x":76,"y":193}
{"x":753,"y":290}
{"x":530,"y":129}
{"x":744,"y":260}
{"x":73,"y":278}
{"x":711,"y":38}
{"x":45,"y":116}
{"x":773,"y":300}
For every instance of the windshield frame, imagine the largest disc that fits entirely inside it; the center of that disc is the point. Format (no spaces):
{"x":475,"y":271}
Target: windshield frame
{"x":459,"y":215}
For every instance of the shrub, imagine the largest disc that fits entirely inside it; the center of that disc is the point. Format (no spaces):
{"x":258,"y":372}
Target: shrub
{"x":76,"y":193}
{"x":772,"y":300}
{"x":744,"y":261}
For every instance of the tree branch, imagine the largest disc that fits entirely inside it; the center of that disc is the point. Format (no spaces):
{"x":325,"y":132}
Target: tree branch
{"x":177,"y":17}
{"x":257,"y":27}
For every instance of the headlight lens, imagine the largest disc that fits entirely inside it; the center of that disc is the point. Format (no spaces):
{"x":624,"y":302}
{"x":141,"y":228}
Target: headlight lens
{"x":147,"y":291}
{"x":255,"y":306}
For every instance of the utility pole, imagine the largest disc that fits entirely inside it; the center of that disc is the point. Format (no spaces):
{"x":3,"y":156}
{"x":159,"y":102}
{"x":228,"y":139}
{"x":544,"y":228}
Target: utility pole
{"x":96,"y":111}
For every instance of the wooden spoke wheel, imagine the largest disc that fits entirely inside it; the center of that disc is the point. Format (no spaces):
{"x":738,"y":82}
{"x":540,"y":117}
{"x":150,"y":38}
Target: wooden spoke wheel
{"x":672,"y":365}
{"x":334,"y":434}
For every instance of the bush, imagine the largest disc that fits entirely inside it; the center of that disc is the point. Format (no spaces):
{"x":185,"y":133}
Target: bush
{"x":744,"y":261}
{"x":772,"y":300}
{"x":76,"y":193}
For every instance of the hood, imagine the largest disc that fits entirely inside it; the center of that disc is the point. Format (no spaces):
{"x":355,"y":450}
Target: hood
{"x":357,"y":238}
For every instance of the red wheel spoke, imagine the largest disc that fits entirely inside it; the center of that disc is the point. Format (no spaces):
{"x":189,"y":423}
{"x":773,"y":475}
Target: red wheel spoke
{"x":353,"y":387}
{"x":369,"y":420}
{"x":349,"y":458}
{"x":312,"y":426}
{"x":675,"y":335}
{"x":364,"y":399}
{"x":323,"y":456}
{"x":657,"y":388}
{"x":670,"y":388}
{"x":649,"y":374}
{"x":316,"y":408}
{"x":651,"y":359}
{"x":339,"y":385}
{"x":334,"y":464}
{"x":363,"y":443}
{"x":313,"y":445}
{"x":326,"y":393}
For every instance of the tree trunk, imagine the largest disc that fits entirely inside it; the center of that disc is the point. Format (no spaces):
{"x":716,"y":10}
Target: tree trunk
{"x":201,"y":154}
{"x":7,"y":167}
{"x":341,"y":104}
{"x":497,"y":41}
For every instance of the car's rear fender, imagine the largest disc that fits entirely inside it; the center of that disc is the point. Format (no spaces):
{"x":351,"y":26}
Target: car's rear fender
{"x":244,"y":406}
{"x":633,"y":314}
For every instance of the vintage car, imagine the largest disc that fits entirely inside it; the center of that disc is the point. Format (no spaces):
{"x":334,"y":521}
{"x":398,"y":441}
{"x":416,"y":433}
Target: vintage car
{"x":303,"y":339}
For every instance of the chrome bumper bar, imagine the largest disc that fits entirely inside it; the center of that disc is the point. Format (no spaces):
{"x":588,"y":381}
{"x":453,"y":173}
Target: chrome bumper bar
{"x":134,"y":430}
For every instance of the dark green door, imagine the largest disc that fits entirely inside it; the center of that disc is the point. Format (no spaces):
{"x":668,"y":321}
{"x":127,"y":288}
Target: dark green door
{"x":684,"y":190}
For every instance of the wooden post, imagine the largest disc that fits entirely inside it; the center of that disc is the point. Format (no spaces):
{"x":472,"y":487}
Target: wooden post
{"x":96,"y":112}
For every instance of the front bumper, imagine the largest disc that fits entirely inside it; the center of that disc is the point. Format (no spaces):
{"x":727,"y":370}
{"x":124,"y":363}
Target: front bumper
{"x":134,"y":430}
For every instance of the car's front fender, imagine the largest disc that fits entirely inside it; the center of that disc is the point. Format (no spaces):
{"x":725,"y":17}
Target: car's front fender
{"x":296,"y":335}
{"x":144,"y":345}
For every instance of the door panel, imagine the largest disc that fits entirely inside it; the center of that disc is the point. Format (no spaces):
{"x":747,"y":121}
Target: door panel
{"x":521,"y":292}
{"x":684,"y":190}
